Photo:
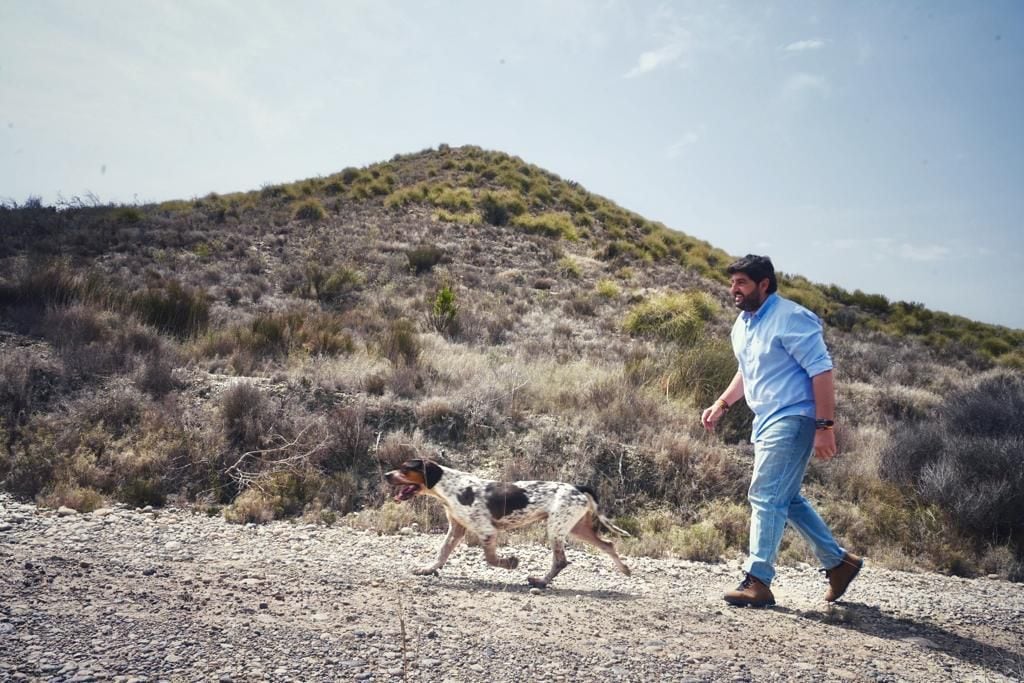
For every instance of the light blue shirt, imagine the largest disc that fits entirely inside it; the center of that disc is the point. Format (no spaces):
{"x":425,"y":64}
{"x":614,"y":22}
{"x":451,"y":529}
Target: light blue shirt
{"x":779,"y":347}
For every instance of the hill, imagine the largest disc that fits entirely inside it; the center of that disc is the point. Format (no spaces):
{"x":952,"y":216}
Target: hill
{"x":261,"y":353}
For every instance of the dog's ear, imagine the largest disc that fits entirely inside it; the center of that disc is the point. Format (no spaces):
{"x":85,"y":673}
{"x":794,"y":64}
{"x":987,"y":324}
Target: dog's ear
{"x":431,"y":472}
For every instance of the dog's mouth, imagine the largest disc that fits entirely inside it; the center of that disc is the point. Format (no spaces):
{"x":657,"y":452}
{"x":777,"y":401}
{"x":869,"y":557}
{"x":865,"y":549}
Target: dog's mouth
{"x":407,"y":492}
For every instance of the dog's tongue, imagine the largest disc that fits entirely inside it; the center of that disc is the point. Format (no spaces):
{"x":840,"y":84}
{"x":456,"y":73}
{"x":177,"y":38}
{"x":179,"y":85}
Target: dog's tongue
{"x":406,"y":492}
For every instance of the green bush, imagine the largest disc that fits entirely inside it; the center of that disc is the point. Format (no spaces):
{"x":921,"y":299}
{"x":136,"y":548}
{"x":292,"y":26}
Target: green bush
{"x":552,"y":224}
{"x":444,"y":312}
{"x":608,"y":289}
{"x":453,"y":199}
{"x":406,"y":195}
{"x":568,"y":266}
{"x":499,"y":208}
{"x":310,"y":210}
{"x":127,"y":215}
{"x":677,"y":318}
{"x":466,"y":218}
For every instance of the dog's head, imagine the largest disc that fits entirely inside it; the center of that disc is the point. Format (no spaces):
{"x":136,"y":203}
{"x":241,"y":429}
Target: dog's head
{"x":413,"y":477}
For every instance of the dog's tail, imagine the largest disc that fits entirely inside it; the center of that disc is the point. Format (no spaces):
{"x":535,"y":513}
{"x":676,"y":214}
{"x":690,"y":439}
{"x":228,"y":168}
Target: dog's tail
{"x":605,"y":522}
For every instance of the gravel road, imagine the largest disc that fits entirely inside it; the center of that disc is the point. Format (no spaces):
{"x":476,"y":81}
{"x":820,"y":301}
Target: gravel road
{"x":173,"y":595}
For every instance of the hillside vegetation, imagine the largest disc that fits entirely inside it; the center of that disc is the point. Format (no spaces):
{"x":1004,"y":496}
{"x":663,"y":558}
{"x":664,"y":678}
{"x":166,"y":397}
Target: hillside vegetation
{"x":265,"y":354}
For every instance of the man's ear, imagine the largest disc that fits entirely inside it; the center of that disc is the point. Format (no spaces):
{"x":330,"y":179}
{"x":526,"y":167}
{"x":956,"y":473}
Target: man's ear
{"x":431,"y":472}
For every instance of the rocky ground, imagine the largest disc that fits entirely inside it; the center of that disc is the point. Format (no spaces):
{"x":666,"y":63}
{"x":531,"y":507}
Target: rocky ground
{"x":132,"y":595}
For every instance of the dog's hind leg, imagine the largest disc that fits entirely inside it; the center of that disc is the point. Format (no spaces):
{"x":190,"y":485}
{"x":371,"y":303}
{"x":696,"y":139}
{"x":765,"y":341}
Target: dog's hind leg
{"x":455,"y":533}
{"x":490,"y":544}
{"x":584,"y":530}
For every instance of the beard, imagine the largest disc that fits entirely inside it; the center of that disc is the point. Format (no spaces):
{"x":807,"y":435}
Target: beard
{"x":751,"y":302}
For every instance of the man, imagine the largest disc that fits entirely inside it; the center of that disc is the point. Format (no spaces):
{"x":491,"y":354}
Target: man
{"x":785,"y":375}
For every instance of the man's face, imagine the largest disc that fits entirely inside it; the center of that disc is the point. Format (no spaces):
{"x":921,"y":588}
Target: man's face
{"x":747,"y":294}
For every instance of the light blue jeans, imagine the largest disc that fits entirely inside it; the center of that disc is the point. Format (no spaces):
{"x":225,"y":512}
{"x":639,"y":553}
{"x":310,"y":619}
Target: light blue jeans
{"x":781,"y":454}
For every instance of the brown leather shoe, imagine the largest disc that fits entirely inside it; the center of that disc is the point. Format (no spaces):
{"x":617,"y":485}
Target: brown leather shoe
{"x":752,"y":592}
{"x":840,"y":576}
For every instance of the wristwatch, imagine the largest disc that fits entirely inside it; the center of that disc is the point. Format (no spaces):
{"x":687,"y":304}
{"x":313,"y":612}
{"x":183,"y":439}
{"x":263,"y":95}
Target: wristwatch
{"x":824,"y":424}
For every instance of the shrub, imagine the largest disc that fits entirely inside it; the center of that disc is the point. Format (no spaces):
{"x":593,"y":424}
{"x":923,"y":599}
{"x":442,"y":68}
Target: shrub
{"x":675,"y":318}
{"x":465,"y":218}
{"x":444,"y":312}
{"x":25,"y":382}
{"x":608,"y":289}
{"x":400,"y":343}
{"x":244,"y":415}
{"x":441,"y":420}
{"x":967,"y":458}
{"x":80,"y":498}
{"x":690,"y":475}
{"x":423,"y":258}
{"x":569,"y":267}
{"x":253,"y":506}
{"x":174,"y":310}
{"x":620,"y":249}
{"x":457,"y":199}
{"x":127,"y":215}
{"x":30,"y":464}
{"x":310,"y":210}
{"x":551,"y":224}
{"x":332,"y":285}
{"x":498,"y":208}
{"x":406,"y":195}
{"x":155,"y":375}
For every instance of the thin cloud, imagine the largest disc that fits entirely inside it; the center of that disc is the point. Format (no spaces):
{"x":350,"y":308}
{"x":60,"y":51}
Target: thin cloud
{"x":655,"y":59}
{"x":805,"y":45}
{"x":676,"y":148}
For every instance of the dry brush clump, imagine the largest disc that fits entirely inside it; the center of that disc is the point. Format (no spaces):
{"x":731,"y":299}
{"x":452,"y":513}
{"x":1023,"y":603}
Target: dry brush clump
{"x":966,"y":459}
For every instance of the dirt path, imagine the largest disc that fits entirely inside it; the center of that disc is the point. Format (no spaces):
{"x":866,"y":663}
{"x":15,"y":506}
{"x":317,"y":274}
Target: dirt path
{"x":126,"y":595}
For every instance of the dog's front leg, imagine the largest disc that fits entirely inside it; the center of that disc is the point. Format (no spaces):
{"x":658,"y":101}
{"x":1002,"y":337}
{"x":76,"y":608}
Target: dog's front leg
{"x":455,"y":533}
{"x":490,"y":543}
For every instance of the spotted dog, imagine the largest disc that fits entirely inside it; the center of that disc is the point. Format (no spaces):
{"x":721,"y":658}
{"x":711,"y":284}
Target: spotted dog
{"x":485,"y":507}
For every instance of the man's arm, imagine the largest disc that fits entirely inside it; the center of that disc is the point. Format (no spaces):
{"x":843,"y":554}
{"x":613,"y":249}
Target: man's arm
{"x":734,"y":392}
{"x":824,"y":389}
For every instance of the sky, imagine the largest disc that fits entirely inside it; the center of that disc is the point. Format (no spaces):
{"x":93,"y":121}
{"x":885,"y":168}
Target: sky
{"x":873,"y":145}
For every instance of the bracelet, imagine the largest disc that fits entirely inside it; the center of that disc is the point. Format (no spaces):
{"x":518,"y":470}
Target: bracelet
{"x":823,"y":424}
{"x":725,"y":406}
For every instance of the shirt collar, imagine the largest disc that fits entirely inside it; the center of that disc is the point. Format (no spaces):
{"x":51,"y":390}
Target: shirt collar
{"x":769,"y":302}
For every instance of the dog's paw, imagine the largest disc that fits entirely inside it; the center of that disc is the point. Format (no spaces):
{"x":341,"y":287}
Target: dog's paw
{"x":425,"y":571}
{"x":510,"y":562}
{"x":536,"y":583}
{"x":625,"y":570}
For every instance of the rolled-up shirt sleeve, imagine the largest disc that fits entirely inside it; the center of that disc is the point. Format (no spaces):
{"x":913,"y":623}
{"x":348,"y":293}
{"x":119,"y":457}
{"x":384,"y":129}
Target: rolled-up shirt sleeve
{"x":805,"y":342}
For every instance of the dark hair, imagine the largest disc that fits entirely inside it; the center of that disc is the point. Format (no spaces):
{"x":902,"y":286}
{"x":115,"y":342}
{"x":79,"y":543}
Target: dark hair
{"x":756,"y":268}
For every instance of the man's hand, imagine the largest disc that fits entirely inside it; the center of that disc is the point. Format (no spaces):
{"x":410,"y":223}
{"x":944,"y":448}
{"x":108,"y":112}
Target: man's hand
{"x":710,"y":417}
{"x":824,"y":444}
